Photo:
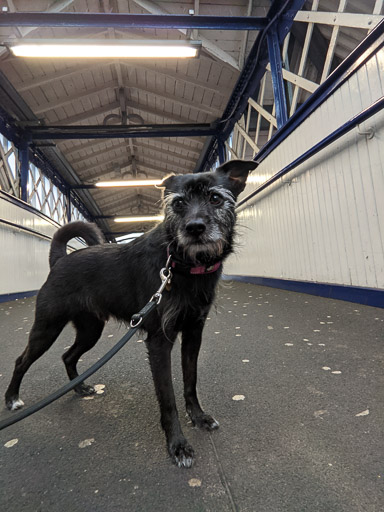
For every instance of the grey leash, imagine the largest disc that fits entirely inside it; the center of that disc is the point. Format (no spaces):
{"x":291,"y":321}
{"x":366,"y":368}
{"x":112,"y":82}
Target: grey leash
{"x":136,"y":321}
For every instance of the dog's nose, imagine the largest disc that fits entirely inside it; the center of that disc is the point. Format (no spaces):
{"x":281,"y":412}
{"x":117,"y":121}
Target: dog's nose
{"x":195,"y":227}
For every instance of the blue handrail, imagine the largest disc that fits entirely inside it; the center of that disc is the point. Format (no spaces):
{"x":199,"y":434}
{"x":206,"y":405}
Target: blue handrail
{"x":332,"y":137}
{"x":352,"y":63}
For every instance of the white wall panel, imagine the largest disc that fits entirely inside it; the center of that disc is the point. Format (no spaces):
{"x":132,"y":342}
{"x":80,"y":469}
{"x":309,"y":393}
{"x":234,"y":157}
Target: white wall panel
{"x":24,"y":255}
{"x":324,"y":221}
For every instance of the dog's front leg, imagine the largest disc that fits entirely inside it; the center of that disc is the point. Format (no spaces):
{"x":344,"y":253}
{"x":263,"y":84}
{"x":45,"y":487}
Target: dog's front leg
{"x":159,"y":350}
{"x":191,"y":343}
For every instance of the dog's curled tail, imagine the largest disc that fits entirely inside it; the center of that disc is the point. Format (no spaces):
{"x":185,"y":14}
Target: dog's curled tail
{"x":85,"y":230}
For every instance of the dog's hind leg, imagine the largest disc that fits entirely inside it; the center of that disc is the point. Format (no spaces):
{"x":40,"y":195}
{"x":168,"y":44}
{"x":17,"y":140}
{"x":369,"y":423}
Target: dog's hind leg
{"x":159,"y":350}
{"x":190,"y":348}
{"x":42,"y":336}
{"x":88,"y":331}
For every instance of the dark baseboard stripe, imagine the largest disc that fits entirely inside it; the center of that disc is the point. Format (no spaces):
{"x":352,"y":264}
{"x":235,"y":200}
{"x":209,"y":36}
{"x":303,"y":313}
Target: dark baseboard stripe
{"x":367,"y":296}
{"x":8,"y":297}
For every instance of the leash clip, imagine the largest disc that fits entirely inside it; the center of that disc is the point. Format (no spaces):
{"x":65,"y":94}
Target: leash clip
{"x":165,"y":276}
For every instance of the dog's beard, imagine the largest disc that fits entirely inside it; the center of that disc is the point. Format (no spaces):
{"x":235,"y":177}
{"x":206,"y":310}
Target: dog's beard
{"x":206,"y":248}
{"x":211,"y":245}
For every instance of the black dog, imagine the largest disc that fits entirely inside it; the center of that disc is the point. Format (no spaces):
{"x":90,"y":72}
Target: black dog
{"x":92,"y":284}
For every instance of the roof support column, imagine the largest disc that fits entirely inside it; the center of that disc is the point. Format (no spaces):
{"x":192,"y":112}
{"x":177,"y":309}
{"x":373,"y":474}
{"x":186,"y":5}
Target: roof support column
{"x":24,"y":168}
{"x":68,"y":205}
{"x":221,"y":150}
{"x":277,"y":76}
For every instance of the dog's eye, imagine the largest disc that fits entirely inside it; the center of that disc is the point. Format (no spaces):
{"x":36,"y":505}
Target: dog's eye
{"x":178,"y":204}
{"x":215,"y":199}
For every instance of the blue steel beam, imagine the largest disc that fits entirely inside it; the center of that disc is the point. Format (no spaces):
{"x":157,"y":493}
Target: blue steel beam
{"x":8,"y":129}
{"x":24,"y":169}
{"x":15,"y":113}
{"x":254,"y":68}
{"x":121,"y":132}
{"x":277,"y":76}
{"x":354,"y":61}
{"x":114,"y":20}
{"x":249,"y":80}
{"x":68,"y":203}
{"x":332,"y":137}
{"x":221,"y":151}
{"x":49,"y":170}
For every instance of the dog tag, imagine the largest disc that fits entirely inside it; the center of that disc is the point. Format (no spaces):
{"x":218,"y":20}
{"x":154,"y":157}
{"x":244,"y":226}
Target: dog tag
{"x":168,"y":287}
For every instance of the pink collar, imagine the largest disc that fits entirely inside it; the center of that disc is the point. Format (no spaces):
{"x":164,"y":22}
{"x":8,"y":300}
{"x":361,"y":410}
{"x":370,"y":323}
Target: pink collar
{"x":202,"y":269}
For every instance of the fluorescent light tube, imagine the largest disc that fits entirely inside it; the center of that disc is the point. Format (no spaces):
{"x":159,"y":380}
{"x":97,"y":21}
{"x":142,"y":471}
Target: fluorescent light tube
{"x":104,"y":48}
{"x":128,"y":183}
{"x":148,"y":218}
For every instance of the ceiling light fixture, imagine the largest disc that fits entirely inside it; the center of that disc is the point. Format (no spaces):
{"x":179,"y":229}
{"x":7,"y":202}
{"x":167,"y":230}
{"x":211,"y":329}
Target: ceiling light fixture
{"x":148,"y":218}
{"x":129,"y":183}
{"x":103,"y":48}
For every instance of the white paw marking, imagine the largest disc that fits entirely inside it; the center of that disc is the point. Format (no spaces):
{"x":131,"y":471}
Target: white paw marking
{"x":17,"y":404}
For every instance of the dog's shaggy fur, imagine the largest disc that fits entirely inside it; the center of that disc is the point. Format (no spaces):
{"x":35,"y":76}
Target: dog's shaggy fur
{"x":103,"y":280}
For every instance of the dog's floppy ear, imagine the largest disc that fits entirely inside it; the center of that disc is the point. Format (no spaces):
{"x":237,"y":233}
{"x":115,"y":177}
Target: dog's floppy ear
{"x":237,"y":173}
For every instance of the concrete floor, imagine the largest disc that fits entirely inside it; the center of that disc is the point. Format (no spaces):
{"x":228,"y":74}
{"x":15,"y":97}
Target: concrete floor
{"x":307,"y":435}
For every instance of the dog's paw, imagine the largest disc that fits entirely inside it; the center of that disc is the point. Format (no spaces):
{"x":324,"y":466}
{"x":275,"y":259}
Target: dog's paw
{"x":182,"y":454}
{"x":205,"y":422}
{"x":84,"y":389}
{"x":14,"y":403}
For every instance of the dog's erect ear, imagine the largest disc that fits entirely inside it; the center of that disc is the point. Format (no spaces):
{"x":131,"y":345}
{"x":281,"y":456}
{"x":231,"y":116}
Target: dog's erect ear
{"x":167,"y":182}
{"x":237,"y":173}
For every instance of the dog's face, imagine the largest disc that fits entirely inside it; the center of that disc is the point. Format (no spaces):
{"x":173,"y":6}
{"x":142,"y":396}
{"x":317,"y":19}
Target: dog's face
{"x":200,"y":209}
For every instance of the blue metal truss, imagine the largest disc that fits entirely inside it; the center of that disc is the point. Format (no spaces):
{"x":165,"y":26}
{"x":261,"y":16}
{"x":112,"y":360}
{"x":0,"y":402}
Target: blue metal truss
{"x":114,"y":20}
{"x":24,"y":168}
{"x":8,"y":127}
{"x":273,"y":29}
{"x":277,"y":76}
{"x":280,"y":19}
{"x":37,"y":133}
{"x":357,"y":58}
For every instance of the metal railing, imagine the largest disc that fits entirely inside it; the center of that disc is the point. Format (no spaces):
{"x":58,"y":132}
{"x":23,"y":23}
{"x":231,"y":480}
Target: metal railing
{"x":326,"y":141}
{"x":305,"y":84}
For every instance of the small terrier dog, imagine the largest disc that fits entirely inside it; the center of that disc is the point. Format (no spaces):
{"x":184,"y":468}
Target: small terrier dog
{"x":92,"y":284}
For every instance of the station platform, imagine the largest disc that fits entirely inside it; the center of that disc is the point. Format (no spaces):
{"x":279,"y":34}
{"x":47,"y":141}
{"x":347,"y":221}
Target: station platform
{"x":295,"y":381}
